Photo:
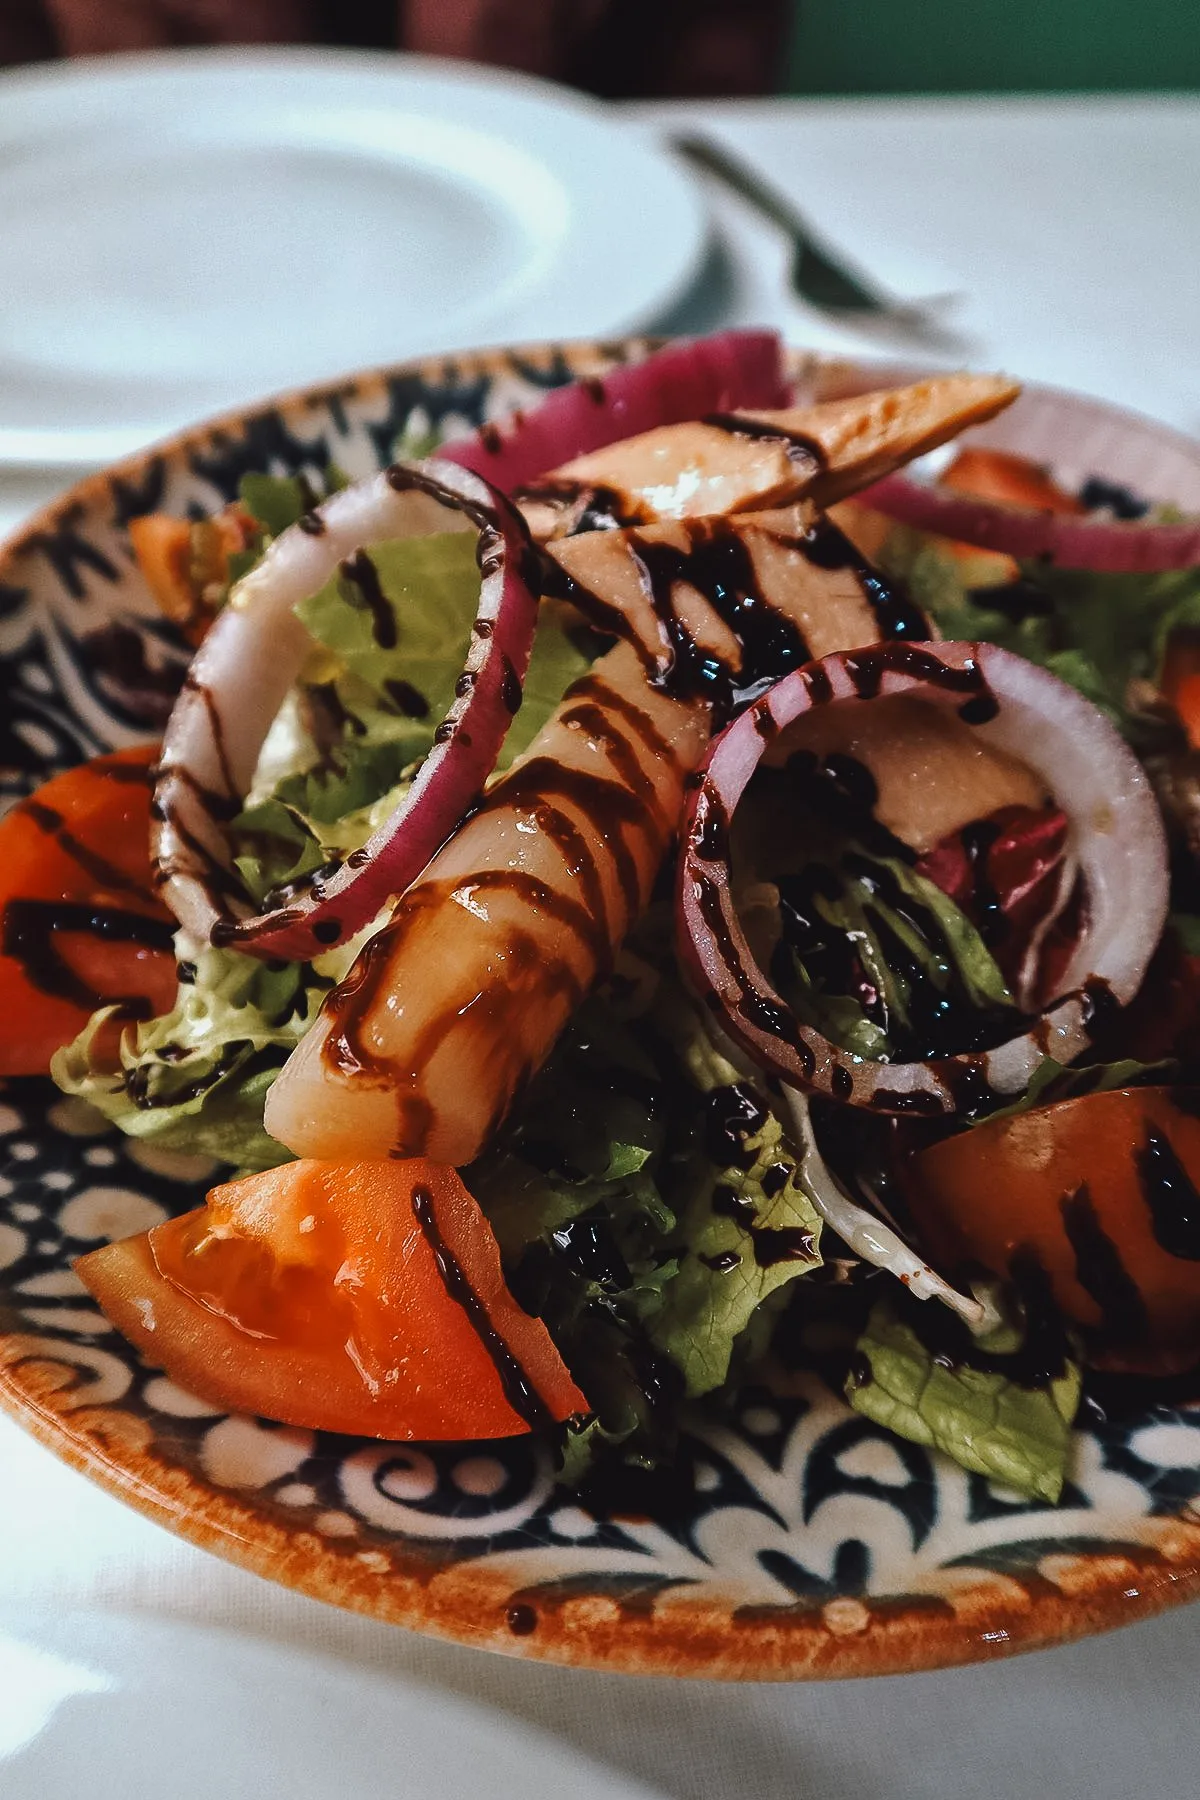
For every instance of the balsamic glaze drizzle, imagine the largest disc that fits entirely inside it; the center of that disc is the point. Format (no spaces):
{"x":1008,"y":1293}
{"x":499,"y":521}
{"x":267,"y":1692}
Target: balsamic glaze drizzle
{"x":1171,"y":1196}
{"x":524,"y":1399}
{"x":361,"y":572}
{"x":1100,"y":1269}
{"x":30,"y":930}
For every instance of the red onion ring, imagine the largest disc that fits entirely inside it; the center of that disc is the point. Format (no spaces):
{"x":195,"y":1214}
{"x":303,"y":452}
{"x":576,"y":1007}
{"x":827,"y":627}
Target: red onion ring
{"x":1116,"y":834}
{"x":249,"y":660}
{"x":1104,"y":545}
{"x":1074,"y":437}
{"x":725,"y":372}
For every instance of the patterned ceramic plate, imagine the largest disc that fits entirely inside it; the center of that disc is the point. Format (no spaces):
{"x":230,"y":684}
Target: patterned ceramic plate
{"x":811,"y":1543}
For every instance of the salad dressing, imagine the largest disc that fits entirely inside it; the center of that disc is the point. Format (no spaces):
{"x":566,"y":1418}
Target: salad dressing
{"x":30,"y":932}
{"x":790,"y":1243}
{"x":1100,"y":1268}
{"x":520,"y":1393}
{"x":230,"y":795}
{"x":896,"y":613}
{"x":1170,"y":1196}
{"x":712,"y":557}
{"x":409,"y":700}
{"x":92,"y":862}
{"x":803,"y":451}
{"x":533,"y":788}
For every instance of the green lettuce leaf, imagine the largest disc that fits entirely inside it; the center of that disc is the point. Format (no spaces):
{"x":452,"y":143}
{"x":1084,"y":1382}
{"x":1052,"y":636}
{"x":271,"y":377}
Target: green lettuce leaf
{"x":387,"y":701}
{"x":431,"y":586}
{"x":319,"y":815}
{"x":197,"y":1078}
{"x":419,"y":637}
{"x":1101,"y":633}
{"x":653,"y":1257}
{"x":276,"y":501}
{"x":1054,"y":1081}
{"x":939,"y":948}
{"x":867,"y":950}
{"x":728,"y":1268}
{"x":982,"y":1417}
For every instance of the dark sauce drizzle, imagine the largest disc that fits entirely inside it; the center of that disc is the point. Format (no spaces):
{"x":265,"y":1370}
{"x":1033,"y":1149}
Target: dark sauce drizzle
{"x":128,"y":774}
{"x":716,"y":562}
{"x":217,"y":726}
{"x":719,"y":566}
{"x":1171,"y":1196}
{"x":724,"y":1262}
{"x":408,"y":699}
{"x":732,"y":1114}
{"x":551,"y":793}
{"x":898,"y":616}
{"x":807,"y":454}
{"x":29,"y":931}
{"x":91,"y":861}
{"x":361,"y":572}
{"x":727,"y":1203}
{"x":524,"y":1399}
{"x":789,"y":1244}
{"x":1099,"y":1268}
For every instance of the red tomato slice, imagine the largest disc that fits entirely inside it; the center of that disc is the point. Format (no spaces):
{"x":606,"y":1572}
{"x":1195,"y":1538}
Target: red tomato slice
{"x":1011,"y":480}
{"x":1180,"y":681}
{"x":80,"y":923}
{"x":179,"y":561}
{"x":364,"y":1298}
{"x":163,"y":547}
{"x":1102,"y":1191}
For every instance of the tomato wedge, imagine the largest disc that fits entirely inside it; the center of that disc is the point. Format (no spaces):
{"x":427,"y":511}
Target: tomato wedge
{"x":180,"y":559}
{"x":364,"y":1298}
{"x":1102,"y":1190}
{"x":80,"y":923}
{"x":1012,"y":480}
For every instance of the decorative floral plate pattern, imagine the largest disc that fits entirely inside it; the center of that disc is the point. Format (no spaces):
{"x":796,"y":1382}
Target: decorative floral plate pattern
{"x":812,"y":1543}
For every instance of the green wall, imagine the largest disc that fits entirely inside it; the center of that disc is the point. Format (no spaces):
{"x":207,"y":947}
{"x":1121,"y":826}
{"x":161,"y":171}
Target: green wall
{"x":948,"y":46}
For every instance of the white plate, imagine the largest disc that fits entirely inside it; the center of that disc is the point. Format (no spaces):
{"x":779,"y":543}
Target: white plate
{"x":128,"y":1708}
{"x":182,"y":232}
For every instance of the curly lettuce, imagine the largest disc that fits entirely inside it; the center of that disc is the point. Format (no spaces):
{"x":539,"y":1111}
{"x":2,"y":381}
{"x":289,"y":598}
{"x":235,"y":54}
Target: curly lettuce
{"x":647,"y":1204}
{"x":375,"y":693}
{"x":984,"y":1415}
{"x":196,"y":1078}
{"x":1104,"y":634}
{"x":867,"y":949}
{"x":338,"y":760}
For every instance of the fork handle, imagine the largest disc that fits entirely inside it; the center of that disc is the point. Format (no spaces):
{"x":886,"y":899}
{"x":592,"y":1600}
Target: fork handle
{"x":819,"y":276}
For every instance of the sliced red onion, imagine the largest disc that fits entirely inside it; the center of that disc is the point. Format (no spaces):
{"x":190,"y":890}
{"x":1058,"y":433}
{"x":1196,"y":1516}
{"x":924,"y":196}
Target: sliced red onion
{"x":725,"y":372}
{"x":253,"y":654}
{"x":1075,"y":438}
{"x":869,"y":1237}
{"x":1071,"y":542}
{"x":1116,"y":834}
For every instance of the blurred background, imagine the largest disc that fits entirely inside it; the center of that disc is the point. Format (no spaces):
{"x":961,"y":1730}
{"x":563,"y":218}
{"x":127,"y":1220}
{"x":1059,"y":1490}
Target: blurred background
{"x":644,"y":48}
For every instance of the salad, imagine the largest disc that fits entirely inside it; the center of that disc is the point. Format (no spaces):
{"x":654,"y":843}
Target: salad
{"x":646,"y":894}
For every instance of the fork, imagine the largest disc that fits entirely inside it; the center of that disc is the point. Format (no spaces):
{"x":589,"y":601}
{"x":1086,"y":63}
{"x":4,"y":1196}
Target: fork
{"x":818,"y":274}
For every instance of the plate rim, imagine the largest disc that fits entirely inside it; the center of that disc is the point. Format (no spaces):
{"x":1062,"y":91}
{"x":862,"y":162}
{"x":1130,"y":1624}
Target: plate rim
{"x":681,"y":202}
{"x":1093,"y":1590}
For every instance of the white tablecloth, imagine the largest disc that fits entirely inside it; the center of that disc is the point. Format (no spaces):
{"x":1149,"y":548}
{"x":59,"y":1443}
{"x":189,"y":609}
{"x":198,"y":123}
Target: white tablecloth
{"x":1073,"y":230}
